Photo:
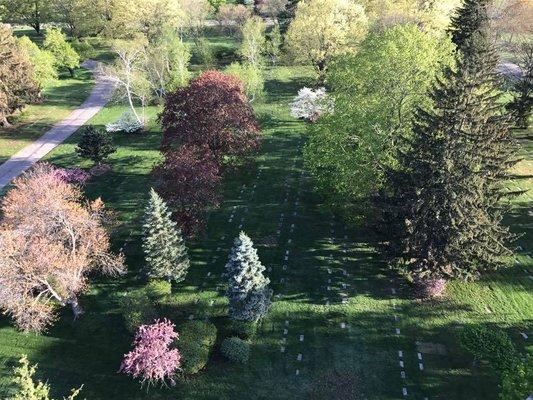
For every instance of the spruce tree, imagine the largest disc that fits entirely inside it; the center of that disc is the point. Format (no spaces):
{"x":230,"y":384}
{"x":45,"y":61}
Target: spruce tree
{"x":248,"y":291}
{"x":446,"y":197}
{"x":163,"y":245}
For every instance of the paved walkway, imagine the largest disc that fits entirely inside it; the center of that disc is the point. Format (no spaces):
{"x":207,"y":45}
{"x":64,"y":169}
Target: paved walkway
{"x":32,"y":153}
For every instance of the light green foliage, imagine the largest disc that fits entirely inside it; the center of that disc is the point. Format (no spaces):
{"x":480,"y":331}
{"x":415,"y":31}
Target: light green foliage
{"x":517,"y":383}
{"x":179,"y":56}
{"x":248,"y":291}
{"x":250,"y":76}
{"x":196,"y":341}
{"x":45,"y":73}
{"x":236,"y":350}
{"x":323,"y":29}
{"x":376,"y":92}
{"x":204,"y":53}
{"x":27,"y":388}
{"x":217,"y":3}
{"x":84,"y":48}
{"x":158,"y":289}
{"x":64,"y":54}
{"x":26,"y":12}
{"x":253,"y":42}
{"x":163,"y":245}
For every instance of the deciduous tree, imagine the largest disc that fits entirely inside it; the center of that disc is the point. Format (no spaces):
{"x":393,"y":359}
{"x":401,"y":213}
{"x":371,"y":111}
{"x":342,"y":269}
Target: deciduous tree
{"x":43,"y":62}
{"x":33,"y":13}
{"x":323,"y":29}
{"x":64,"y":54}
{"x":152,"y":359}
{"x":376,"y":92}
{"x":18,"y":86}
{"x":218,"y":117}
{"x":189,"y":180}
{"x":51,"y":239}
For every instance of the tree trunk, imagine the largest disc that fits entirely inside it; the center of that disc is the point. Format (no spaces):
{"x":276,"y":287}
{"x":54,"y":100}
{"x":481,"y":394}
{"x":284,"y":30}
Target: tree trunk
{"x":4,"y":122}
{"x":75,"y":305}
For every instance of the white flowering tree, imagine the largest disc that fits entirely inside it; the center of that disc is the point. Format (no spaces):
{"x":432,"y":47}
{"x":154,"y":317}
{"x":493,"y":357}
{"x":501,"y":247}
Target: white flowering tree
{"x":311,"y":104}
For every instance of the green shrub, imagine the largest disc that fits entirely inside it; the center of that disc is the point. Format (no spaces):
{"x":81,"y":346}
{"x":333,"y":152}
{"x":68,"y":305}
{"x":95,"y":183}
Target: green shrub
{"x":194,"y":356}
{"x":157,"y":289}
{"x":236,"y":350}
{"x":517,"y":383}
{"x":251,"y":77}
{"x":243,"y":329}
{"x":491,"y":345}
{"x":137,"y":309}
{"x":196,"y":340}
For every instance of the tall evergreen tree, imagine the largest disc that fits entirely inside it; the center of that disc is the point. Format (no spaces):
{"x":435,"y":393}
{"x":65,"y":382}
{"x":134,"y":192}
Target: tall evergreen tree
{"x":446,"y":197}
{"x":248,"y":291}
{"x":166,"y":254}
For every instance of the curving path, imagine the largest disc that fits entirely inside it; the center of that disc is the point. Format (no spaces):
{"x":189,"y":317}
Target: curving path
{"x":34,"y":152}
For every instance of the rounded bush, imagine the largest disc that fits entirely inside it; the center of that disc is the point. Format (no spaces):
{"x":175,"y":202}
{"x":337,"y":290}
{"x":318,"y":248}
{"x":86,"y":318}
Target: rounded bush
{"x":194,"y":356}
{"x":195,"y":343}
{"x":157,"y":289}
{"x":243,"y":329}
{"x":201,"y":332}
{"x":236,"y":350}
{"x":137,"y":309}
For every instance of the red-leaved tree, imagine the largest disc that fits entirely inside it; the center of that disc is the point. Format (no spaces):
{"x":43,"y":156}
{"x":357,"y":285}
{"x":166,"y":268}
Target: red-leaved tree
{"x":152,"y":360}
{"x":189,"y":182}
{"x":212,"y":111}
{"x":205,"y":124}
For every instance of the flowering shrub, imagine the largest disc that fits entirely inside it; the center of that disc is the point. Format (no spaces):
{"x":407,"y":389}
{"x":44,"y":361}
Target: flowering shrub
{"x":76,"y":176}
{"x":152,"y":359}
{"x":311,"y":104}
{"x":127,"y":123}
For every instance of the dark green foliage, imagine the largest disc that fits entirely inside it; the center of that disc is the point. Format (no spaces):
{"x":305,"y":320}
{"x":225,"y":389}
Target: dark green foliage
{"x":243,"y":329}
{"x":445,"y":201}
{"x":494,"y":346}
{"x":95,"y":144}
{"x":236,"y":350}
{"x":523,"y":101}
{"x":288,"y":15}
{"x":158,"y":289}
{"x":163,"y":245}
{"x":137,"y":309}
{"x":337,"y":386}
{"x":490,"y":344}
{"x":196,"y":341}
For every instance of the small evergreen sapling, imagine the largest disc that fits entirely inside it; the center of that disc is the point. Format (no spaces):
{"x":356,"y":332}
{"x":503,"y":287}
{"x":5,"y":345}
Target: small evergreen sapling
{"x":95,"y":144}
{"x":166,"y":254}
{"x":248,"y":291}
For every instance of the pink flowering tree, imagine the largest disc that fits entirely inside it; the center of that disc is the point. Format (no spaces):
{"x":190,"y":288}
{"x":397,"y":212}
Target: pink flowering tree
{"x":152,"y":360}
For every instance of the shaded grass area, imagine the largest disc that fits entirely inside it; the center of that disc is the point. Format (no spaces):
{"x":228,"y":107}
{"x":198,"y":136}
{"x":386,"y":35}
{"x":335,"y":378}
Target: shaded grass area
{"x":357,"y":338}
{"x":59,"y":101}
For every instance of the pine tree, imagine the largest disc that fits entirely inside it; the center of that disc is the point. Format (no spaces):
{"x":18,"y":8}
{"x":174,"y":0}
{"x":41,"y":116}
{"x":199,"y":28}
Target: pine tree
{"x":248,"y":291}
{"x":448,"y":191}
{"x":166,"y":254}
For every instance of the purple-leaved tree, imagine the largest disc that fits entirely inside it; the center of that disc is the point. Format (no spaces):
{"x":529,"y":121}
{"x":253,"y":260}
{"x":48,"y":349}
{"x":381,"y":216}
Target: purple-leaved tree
{"x":152,"y":360}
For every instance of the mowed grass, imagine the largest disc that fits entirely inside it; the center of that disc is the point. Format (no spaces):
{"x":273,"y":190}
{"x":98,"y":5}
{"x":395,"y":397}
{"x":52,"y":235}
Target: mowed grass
{"x":59,"y":101}
{"x":327,"y":261}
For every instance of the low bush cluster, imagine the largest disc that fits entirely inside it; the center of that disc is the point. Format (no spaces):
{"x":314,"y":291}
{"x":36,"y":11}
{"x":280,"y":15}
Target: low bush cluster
{"x":197,"y":339}
{"x":138,"y":309}
{"x":235,"y":350}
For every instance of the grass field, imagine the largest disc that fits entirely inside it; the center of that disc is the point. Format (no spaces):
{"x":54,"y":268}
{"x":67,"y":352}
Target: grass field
{"x":358,"y":341}
{"x":59,"y":101}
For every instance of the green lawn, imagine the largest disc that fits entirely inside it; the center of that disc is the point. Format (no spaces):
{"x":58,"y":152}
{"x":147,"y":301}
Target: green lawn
{"x":357,"y":340}
{"x":59,"y":101}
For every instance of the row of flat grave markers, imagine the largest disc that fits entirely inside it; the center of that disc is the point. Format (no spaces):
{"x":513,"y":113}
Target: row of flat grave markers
{"x":524,"y":335}
{"x":401,"y":358}
{"x":286,"y":256}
